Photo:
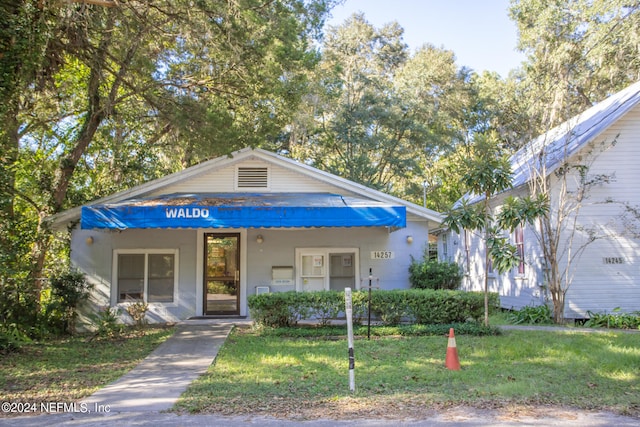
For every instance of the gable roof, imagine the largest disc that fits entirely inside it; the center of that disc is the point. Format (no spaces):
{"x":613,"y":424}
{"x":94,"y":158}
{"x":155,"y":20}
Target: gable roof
{"x":566,"y":139}
{"x":549,"y":150}
{"x":61,"y":219}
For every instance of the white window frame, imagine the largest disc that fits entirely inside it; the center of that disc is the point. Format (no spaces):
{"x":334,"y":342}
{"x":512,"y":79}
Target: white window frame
{"x":115,"y":297}
{"x":491,"y":273}
{"x":466,"y":239}
{"x":445,"y":247}
{"x":325,"y":252}
{"x":520,"y":247}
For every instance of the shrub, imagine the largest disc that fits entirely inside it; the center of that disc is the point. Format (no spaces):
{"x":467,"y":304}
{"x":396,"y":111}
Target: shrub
{"x":68,"y":289}
{"x":390,"y":306}
{"x":433,"y":274}
{"x":325,"y":305}
{"x":423,"y":306}
{"x":107,"y":323}
{"x":18,"y":302}
{"x":138,"y":311}
{"x":277,"y":309}
{"x":282,"y":309}
{"x":615,"y":320}
{"x":430,"y":306}
{"x":532,"y":315}
{"x":11,"y":338}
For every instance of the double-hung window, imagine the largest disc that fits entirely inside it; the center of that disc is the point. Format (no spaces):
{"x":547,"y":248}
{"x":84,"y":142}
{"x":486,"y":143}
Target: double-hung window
{"x":466,"y":235}
{"x":146,"y":275}
{"x":519,"y":240}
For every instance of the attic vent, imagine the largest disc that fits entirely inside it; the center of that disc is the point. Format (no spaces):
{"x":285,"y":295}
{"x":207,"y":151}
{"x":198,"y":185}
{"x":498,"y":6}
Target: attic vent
{"x":253,"y":177}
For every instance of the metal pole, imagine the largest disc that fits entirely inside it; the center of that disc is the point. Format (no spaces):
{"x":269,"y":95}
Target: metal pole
{"x":369,"y":324}
{"x":349,"y":313}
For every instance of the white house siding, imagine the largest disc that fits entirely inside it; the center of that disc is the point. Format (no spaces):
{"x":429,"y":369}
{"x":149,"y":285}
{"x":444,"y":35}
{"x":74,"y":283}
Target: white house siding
{"x":600,"y":283}
{"x":282,"y":180}
{"x":515,"y":290}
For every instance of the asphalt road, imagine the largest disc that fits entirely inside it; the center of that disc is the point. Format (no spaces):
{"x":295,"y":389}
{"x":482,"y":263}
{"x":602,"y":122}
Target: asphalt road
{"x":455,"y":417}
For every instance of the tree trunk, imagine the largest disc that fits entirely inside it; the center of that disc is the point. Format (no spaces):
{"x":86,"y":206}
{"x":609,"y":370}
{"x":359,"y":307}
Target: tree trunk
{"x":96,"y":112}
{"x":487,"y":260}
{"x":9,"y":254}
{"x":10,"y":141}
{"x":549,"y":241}
{"x":486,"y":287}
{"x":558,"y":307}
{"x":557,"y":293}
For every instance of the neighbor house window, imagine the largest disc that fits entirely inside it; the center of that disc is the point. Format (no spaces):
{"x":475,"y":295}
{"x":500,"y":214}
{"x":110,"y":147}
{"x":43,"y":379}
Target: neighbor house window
{"x":519,"y":238}
{"x":490,"y":271}
{"x":148,"y":276}
{"x":445,"y":248}
{"x":467,"y":250}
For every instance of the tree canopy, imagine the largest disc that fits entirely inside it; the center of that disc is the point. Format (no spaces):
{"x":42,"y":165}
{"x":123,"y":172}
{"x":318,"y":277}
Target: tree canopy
{"x":99,"y":96}
{"x":98,"y":99}
{"x":379,"y":115}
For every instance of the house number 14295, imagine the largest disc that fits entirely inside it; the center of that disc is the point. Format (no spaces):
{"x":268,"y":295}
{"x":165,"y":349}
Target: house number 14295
{"x":382,"y":255}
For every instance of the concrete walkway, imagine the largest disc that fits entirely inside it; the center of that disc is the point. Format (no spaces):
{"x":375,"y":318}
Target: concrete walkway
{"x":157,"y":382}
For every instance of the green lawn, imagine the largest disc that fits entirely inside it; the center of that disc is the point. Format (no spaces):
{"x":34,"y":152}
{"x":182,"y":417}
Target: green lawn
{"x":308,"y":377}
{"x":68,"y":369}
{"x":395,"y":376}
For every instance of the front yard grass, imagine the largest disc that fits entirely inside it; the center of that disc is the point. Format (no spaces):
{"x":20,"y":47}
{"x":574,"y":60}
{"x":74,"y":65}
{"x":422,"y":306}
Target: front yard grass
{"x":71,"y":368}
{"x":398,"y":377}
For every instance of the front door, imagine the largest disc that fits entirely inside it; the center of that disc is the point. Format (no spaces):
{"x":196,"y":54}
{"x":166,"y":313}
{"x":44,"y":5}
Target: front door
{"x":222,"y":273}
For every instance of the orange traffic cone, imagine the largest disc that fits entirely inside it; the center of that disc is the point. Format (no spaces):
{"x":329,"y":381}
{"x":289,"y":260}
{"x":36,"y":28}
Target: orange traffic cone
{"x":452,"y":362}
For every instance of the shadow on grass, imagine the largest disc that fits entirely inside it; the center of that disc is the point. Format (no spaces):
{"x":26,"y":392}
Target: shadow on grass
{"x":68,"y":369}
{"x":255,"y":373}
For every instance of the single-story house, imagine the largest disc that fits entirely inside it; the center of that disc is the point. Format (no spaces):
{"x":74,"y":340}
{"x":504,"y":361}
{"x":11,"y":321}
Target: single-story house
{"x":198,"y":242}
{"x":602,"y":147}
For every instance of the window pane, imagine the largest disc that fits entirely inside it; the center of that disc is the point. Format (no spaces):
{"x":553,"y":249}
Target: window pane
{"x":341,"y":271}
{"x":520,"y":248}
{"x":130,"y":277}
{"x":161,"y":277}
{"x":312,"y":265}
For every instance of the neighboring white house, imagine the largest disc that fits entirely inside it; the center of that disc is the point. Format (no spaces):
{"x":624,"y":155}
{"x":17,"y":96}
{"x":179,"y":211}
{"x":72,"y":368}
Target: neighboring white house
{"x":606,"y":273}
{"x":198,"y":242}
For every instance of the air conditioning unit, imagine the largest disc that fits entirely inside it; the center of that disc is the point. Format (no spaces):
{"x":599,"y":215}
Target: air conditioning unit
{"x":262,"y":290}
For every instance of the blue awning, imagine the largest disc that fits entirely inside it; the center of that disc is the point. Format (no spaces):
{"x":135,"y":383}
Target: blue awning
{"x":243,"y":210}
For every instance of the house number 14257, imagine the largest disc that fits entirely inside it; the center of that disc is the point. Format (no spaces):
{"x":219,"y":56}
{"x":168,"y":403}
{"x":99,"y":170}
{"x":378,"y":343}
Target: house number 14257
{"x":382,"y":255}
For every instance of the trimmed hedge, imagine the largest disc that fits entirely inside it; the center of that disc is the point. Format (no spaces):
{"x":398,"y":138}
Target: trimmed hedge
{"x":434,"y":274}
{"x":419,"y":306}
